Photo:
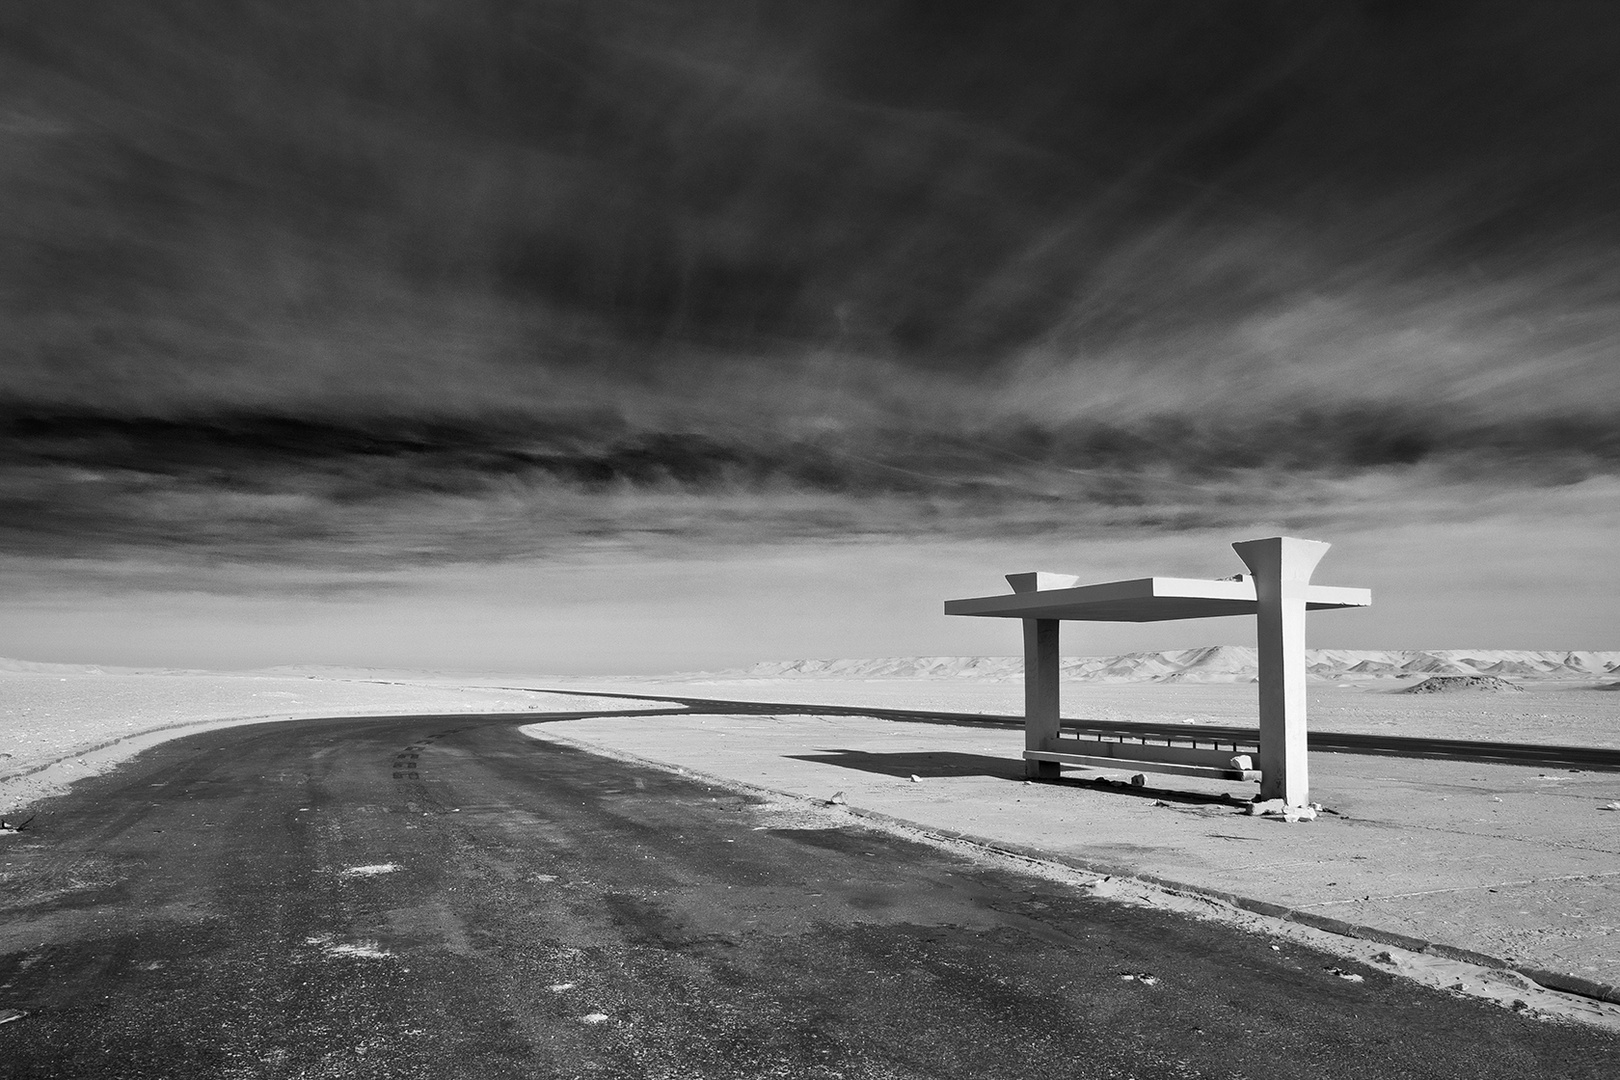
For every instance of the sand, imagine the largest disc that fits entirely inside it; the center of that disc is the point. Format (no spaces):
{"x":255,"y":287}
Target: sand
{"x":55,"y":715}
{"x":63,"y":724}
{"x":1518,"y":864}
{"x":1563,"y":713}
{"x":59,"y":725}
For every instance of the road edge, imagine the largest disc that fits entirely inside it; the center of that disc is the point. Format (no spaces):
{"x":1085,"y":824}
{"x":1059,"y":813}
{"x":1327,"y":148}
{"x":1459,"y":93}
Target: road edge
{"x":1558,"y":982}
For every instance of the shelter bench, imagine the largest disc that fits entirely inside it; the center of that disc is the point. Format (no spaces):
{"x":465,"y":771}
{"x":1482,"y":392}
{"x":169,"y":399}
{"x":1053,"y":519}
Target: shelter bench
{"x":1198,"y":754}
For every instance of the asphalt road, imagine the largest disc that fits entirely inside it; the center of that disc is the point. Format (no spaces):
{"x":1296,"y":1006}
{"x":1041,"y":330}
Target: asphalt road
{"x":220,"y":907}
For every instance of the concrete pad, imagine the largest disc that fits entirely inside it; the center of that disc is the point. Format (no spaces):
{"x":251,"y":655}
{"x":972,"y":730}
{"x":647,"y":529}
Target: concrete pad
{"x":1518,"y":863}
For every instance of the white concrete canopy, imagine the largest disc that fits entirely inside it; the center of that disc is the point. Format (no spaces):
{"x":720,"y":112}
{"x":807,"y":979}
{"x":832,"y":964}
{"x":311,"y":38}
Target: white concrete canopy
{"x":1150,"y":599}
{"x":1277,"y":591}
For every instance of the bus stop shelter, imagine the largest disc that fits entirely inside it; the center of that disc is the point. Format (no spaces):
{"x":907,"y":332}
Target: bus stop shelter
{"x":1276,"y":591}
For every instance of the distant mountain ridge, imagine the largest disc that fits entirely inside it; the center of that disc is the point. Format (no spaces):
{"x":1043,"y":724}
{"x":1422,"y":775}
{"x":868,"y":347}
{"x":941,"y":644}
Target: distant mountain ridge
{"x":1214,"y":663}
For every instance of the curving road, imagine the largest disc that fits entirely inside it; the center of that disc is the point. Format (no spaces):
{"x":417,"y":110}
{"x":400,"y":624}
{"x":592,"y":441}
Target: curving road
{"x":443,"y":897}
{"x":1338,"y":742}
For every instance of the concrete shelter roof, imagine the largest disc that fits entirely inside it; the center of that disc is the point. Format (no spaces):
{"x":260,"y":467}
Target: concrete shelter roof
{"x":1150,"y":599}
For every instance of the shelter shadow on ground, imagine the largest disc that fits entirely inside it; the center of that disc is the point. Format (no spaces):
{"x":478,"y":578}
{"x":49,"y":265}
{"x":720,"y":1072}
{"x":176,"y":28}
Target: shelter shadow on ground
{"x":1157,"y":794}
{"x":942,"y":764}
{"x":922,"y":764}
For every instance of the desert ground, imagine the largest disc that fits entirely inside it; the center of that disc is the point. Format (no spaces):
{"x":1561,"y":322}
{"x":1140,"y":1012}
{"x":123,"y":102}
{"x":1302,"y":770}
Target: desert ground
{"x":65,"y":721}
{"x":1559,"y":712}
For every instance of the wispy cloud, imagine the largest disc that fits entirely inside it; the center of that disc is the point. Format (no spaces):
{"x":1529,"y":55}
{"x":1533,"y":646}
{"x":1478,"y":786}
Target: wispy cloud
{"x":341,"y":289}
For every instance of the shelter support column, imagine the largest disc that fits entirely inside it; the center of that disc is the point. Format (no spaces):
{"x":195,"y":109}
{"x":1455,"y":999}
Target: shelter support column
{"x":1282,"y":568}
{"x":1041,"y":694}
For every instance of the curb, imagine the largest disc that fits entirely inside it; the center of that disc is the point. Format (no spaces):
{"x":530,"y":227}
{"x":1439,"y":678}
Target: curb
{"x":1549,"y":980}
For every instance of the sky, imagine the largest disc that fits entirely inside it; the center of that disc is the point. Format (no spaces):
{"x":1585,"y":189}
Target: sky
{"x":615,"y":336}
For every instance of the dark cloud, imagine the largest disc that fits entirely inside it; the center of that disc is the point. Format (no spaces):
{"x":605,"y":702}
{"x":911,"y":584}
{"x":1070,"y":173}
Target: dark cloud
{"x":395,"y":491}
{"x":327,"y":282}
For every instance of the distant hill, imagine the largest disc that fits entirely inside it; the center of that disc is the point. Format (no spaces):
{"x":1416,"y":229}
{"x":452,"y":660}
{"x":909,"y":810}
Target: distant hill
{"x":1215,"y":663}
{"x":1459,"y":684}
{"x":37,"y":667}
